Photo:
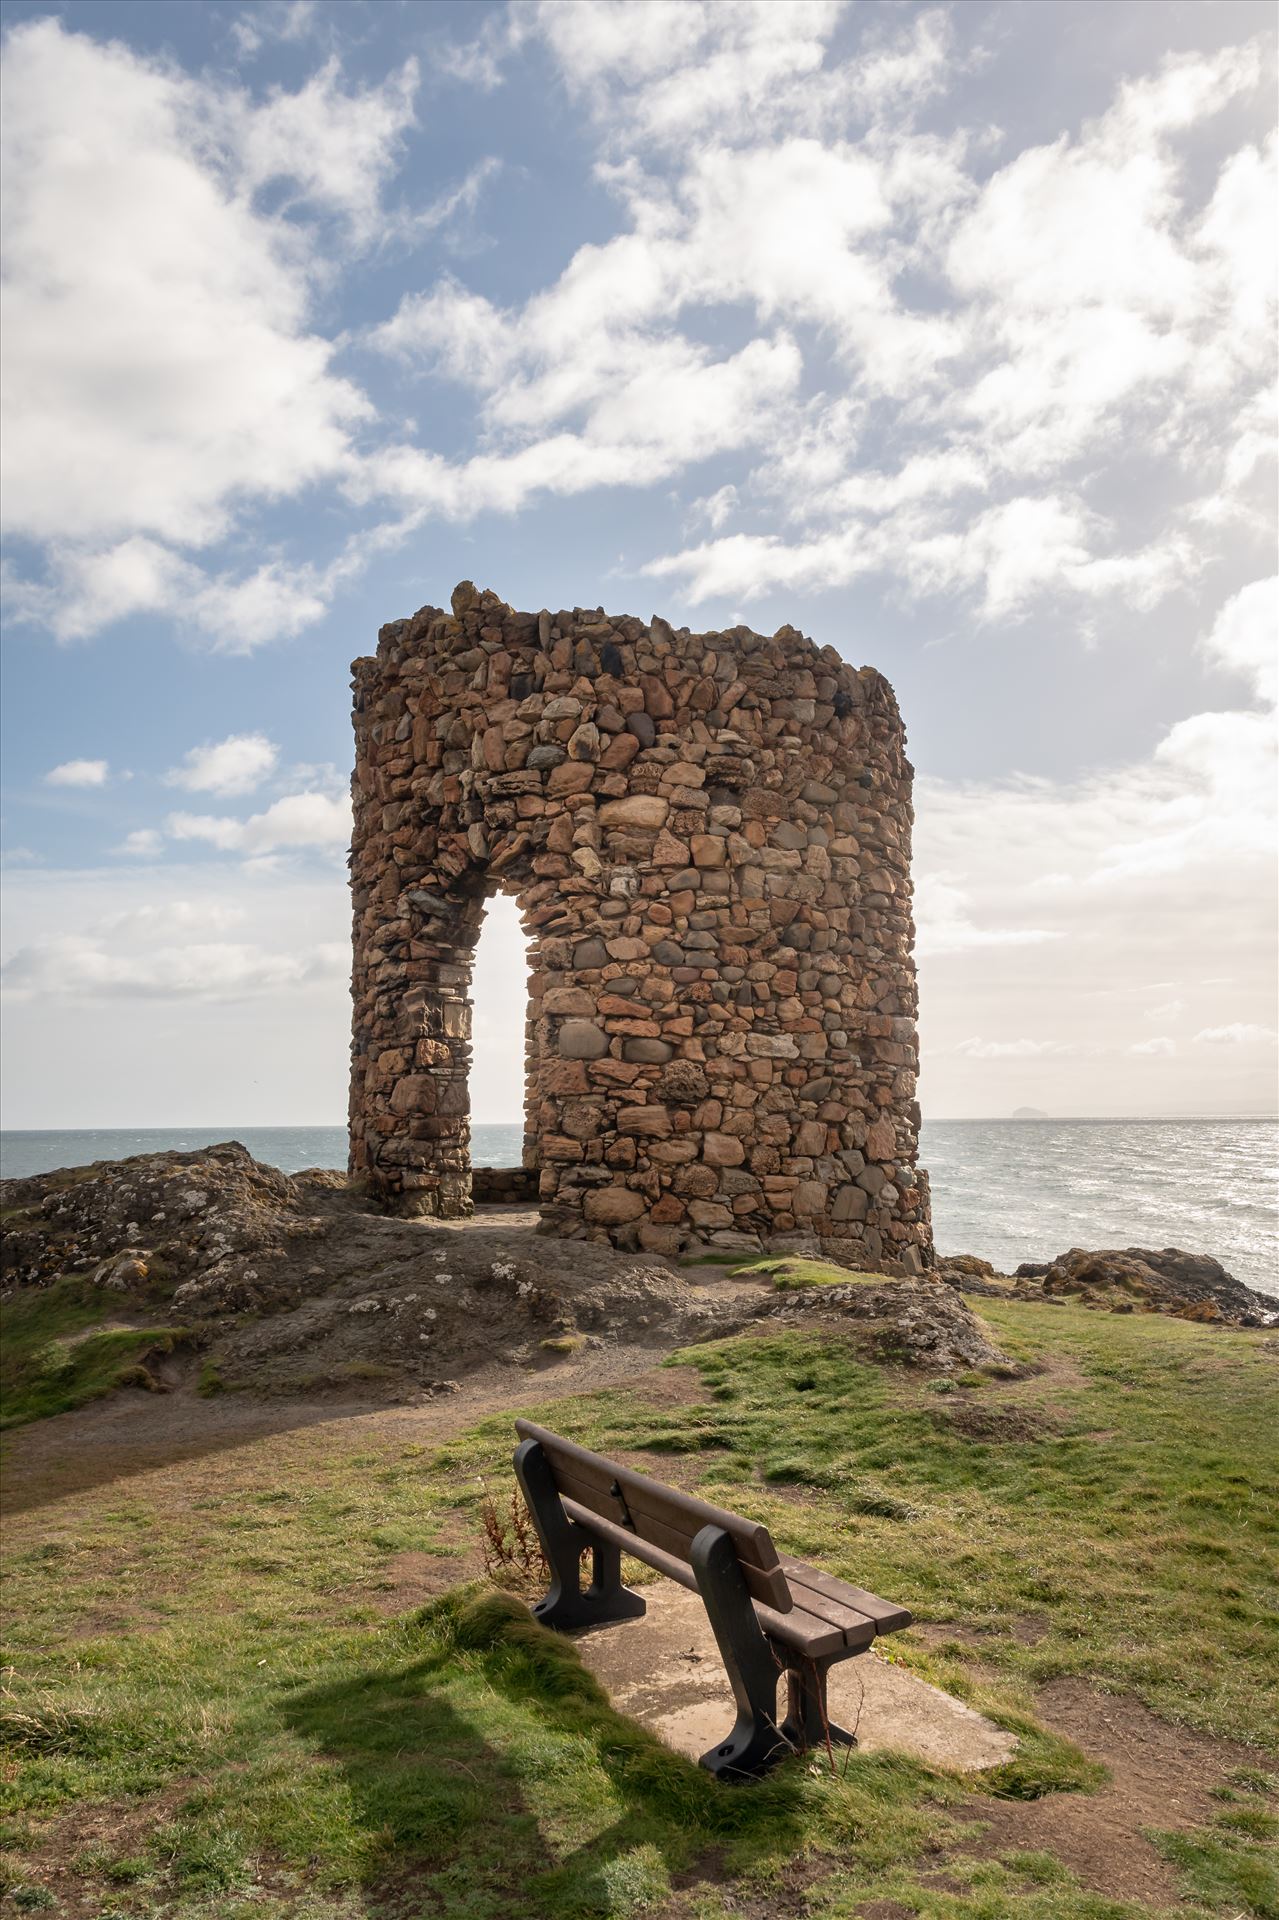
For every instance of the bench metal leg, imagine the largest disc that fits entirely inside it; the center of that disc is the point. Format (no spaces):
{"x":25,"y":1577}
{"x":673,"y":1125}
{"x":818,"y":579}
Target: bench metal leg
{"x":756,"y":1742}
{"x":807,"y":1723}
{"x":567,"y":1604}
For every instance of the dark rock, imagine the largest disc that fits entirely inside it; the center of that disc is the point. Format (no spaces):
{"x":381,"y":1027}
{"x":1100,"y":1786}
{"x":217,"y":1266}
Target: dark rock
{"x":1191,"y":1285}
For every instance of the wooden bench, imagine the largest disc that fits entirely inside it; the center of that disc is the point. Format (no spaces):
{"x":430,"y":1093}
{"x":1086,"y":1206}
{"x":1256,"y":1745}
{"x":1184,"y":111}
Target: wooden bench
{"x":769,"y":1615}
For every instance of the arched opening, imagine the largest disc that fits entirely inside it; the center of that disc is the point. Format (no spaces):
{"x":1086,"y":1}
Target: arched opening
{"x":499,"y":1016}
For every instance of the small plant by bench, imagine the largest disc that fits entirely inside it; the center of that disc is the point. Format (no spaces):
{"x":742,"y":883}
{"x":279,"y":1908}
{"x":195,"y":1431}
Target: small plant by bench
{"x":769,"y":1615}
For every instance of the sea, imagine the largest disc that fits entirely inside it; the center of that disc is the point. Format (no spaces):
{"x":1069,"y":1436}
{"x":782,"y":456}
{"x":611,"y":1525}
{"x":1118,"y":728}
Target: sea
{"x":1007,"y":1190}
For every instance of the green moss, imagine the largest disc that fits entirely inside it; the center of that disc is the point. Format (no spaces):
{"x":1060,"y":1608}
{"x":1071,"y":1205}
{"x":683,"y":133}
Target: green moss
{"x":210,"y":1381}
{"x":792,"y":1271}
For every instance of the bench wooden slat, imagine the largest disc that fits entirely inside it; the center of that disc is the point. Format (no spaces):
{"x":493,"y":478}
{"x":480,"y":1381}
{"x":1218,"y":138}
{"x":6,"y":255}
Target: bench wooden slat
{"x":808,"y":1581}
{"x":654,"y":1495}
{"x":653,"y":1504}
{"x":858,"y":1630}
{"x":807,"y":1633}
{"x":764,"y":1585}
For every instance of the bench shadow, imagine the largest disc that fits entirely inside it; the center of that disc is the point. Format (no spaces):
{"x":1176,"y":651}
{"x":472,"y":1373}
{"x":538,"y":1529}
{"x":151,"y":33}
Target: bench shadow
{"x":459,"y":1809}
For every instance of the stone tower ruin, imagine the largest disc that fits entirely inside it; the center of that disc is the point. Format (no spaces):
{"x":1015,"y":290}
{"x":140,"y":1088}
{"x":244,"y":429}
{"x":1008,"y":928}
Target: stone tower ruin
{"x":708,"y":835}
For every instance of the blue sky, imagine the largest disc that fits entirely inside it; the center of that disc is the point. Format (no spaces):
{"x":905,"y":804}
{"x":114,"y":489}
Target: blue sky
{"x":944,"y":333}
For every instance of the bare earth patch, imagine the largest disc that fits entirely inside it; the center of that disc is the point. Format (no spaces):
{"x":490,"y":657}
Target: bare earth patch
{"x":1162,"y":1777}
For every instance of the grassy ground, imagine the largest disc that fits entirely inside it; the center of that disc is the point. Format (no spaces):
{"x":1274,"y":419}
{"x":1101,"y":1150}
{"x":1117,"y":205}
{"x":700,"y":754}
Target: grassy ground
{"x":794,"y":1270}
{"x":210,"y":1710}
{"x":55,"y":1355}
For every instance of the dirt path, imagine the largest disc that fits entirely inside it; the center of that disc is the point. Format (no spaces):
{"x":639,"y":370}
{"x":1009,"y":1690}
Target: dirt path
{"x":133,"y":1432}
{"x":1162,"y":1778}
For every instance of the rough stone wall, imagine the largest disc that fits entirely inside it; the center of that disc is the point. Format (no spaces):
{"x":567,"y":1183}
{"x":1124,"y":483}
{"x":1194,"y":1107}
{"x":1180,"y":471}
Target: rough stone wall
{"x":504,"y":1186}
{"x":708,"y":836}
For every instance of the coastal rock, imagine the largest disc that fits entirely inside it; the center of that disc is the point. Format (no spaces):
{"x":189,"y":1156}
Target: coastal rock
{"x":1192,"y":1285}
{"x":953,"y":1267}
{"x":968,"y":1273}
{"x":153,"y":1220}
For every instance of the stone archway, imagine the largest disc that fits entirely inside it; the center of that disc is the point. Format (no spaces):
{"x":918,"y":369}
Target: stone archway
{"x":709,"y":837}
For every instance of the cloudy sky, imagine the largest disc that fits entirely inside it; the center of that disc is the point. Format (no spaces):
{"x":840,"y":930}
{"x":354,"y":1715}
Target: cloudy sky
{"x":944,"y":333}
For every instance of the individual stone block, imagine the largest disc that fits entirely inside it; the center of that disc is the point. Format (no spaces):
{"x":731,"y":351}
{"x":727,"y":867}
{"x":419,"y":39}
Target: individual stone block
{"x":850,"y":1203}
{"x":636,"y":810}
{"x":647,"y":1052}
{"x":653,"y":1122}
{"x":581,"y":1040}
{"x":610,"y":1206}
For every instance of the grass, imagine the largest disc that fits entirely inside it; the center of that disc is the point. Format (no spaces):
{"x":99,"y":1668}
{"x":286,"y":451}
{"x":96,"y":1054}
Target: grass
{"x":210,"y":1711}
{"x":792,"y":1271}
{"x":52,"y":1359}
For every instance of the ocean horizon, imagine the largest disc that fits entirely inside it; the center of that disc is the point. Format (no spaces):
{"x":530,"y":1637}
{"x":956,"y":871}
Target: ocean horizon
{"x":1006,"y":1190}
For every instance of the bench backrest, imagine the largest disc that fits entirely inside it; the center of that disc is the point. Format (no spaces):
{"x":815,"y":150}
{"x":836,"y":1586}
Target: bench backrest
{"x":662,"y":1517}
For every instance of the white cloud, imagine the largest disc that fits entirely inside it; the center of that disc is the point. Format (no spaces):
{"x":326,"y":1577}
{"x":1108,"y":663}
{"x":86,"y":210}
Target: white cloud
{"x":1244,"y":639}
{"x":237,"y":764}
{"x":945,"y":925}
{"x":298,"y":820}
{"x":1174,"y":852}
{"x":117,"y":1009}
{"x":286,"y":20}
{"x":1011,"y":555}
{"x":1240,"y":1033}
{"x":736,"y":68}
{"x":272,"y":603}
{"x":716,"y":507}
{"x":1090,"y":309}
{"x":80,"y":967}
{"x":481,"y":62}
{"x":659,"y":69}
{"x":162,"y":373}
{"x":156,"y":325}
{"x":79,"y":773}
{"x":86,"y":590}
{"x":650,"y":411}
{"x":1008,"y":332}
{"x":144,"y":843}
{"x":979,"y":1049}
{"x":336,"y":148}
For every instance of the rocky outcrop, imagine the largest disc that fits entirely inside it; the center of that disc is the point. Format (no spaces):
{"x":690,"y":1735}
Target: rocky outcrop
{"x":213,"y":1224}
{"x":298,"y":1285}
{"x":917,"y":1323}
{"x":1137,"y":1279}
{"x":293,"y":1284}
{"x":1192,"y":1285}
{"x":709,"y":839}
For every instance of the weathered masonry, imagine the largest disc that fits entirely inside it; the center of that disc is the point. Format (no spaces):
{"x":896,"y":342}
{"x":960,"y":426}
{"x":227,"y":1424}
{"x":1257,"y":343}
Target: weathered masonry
{"x":708,"y":836}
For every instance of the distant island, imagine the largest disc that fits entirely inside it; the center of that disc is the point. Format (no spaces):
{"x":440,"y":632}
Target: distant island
{"x":1029,"y":1113}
